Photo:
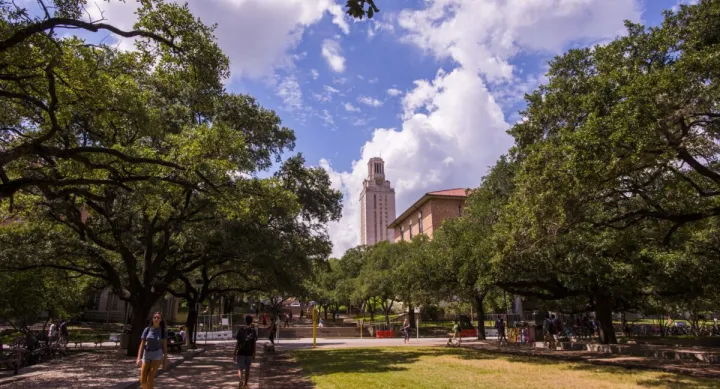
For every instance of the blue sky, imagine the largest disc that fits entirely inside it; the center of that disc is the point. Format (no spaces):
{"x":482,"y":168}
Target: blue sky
{"x":458,"y":70}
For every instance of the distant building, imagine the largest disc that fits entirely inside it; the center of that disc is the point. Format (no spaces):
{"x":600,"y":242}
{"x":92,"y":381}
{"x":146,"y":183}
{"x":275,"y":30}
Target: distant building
{"x":377,"y":205}
{"x":428,"y":213}
{"x":106,"y":306}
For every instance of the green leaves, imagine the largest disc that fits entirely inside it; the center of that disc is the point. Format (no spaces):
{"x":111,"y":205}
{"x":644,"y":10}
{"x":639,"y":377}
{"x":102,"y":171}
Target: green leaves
{"x":356,"y":8}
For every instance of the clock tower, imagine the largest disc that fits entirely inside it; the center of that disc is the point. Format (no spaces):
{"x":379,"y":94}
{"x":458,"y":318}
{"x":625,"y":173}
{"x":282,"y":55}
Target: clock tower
{"x":377,"y":205}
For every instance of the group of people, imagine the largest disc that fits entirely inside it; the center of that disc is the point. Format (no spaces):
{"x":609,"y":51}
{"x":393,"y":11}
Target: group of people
{"x":58,"y":331}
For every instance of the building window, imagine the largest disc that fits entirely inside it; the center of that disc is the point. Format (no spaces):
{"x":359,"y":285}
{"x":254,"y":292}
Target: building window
{"x":402,"y":233}
{"x":459,"y":209}
{"x":410,"y":229}
{"x":420,"y":224}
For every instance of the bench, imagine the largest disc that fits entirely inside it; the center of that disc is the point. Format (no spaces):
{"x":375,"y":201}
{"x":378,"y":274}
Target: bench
{"x":11,"y":360}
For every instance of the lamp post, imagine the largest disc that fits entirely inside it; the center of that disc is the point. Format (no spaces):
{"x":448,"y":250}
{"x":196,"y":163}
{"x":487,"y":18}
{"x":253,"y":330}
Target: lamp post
{"x":199,"y":283}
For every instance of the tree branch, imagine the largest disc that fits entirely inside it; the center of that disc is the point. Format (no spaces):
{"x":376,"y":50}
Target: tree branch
{"x":25,"y":33}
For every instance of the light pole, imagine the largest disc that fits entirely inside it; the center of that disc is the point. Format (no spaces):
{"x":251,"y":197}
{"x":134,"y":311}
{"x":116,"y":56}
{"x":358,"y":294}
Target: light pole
{"x":199,"y":283}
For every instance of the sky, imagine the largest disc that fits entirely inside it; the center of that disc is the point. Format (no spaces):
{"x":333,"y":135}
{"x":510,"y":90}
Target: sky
{"x":431,"y":86}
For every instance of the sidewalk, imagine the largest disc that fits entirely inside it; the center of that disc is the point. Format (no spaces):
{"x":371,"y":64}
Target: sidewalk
{"x":212,"y":369}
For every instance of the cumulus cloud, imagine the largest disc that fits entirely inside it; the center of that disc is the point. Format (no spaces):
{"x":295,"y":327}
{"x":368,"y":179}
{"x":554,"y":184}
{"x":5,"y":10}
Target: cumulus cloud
{"x":370,"y":101}
{"x":332,"y":53}
{"x":349,"y":107}
{"x":314,"y":73}
{"x":394,"y":92}
{"x":276,"y":26}
{"x":453,"y":125}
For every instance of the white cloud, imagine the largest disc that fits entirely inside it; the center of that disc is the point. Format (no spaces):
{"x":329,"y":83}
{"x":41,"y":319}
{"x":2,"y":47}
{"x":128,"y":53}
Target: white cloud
{"x":481,"y":35}
{"x":349,"y":107}
{"x":453,"y":125}
{"x":330,"y":89}
{"x":289,"y":91}
{"x":326,"y":95}
{"x":276,"y":26}
{"x":676,"y":7}
{"x":327,"y":118}
{"x":370,"y":101}
{"x":384,"y":23}
{"x":340,"y":80}
{"x":339,"y":18}
{"x":314,"y":73}
{"x":374,"y":80}
{"x":394,"y":92}
{"x":333,"y":55}
{"x":357,"y":121}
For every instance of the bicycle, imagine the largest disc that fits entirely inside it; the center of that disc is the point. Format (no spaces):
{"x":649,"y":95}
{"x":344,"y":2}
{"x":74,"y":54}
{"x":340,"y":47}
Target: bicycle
{"x":454,"y":341}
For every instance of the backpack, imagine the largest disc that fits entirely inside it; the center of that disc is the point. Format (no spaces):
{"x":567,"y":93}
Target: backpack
{"x":558,"y":325}
{"x":246,"y":338}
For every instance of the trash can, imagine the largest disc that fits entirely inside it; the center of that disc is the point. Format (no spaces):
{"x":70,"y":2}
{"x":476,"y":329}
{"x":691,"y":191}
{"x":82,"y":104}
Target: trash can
{"x":124,"y":341}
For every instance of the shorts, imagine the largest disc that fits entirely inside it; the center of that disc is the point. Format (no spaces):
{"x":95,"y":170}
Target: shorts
{"x":154,"y":355}
{"x":244,"y":362}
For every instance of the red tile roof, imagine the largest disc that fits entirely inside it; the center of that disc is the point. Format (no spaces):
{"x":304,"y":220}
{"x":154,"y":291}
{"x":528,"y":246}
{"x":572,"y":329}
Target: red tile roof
{"x":457,"y":192}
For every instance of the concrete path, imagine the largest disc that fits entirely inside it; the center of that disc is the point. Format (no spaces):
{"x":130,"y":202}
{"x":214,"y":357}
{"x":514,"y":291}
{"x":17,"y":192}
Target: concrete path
{"x":215,"y":369}
{"x":212,"y":369}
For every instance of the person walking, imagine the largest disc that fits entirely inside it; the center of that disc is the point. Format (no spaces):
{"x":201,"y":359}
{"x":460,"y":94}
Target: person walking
{"x":264,"y":319}
{"x":245,"y":351}
{"x":273,"y":329}
{"x":153,"y":351}
{"x":456,"y":333}
{"x":406,"y":330}
{"x":63,"y":332}
{"x":53,"y":332}
{"x":500,"y":326}
{"x":548,"y":334}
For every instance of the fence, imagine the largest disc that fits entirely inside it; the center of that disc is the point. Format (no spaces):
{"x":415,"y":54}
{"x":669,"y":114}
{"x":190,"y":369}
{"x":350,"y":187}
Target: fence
{"x":214,"y":327}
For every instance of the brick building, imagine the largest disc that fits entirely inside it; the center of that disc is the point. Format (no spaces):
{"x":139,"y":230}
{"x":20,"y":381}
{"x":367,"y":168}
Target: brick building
{"x":427,"y":214}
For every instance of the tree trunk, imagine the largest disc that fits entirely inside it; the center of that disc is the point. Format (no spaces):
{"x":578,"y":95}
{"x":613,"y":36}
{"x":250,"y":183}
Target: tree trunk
{"x":190,"y":323}
{"x":371,"y":307}
{"x":141,"y":313}
{"x":603,"y":313}
{"x":479,"y":299}
{"x":411,"y":315}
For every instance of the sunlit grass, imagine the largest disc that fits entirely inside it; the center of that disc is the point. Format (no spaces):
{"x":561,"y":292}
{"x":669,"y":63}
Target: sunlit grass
{"x":439,"y":368}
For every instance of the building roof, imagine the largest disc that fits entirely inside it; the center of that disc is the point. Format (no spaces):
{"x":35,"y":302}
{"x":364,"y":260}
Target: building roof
{"x":456,"y":193}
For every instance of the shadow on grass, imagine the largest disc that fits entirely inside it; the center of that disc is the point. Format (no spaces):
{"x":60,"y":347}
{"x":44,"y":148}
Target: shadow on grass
{"x":675,"y":382}
{"x":379,"y":360}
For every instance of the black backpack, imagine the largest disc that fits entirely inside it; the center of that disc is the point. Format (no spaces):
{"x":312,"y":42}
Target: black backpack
{"x":246,"y":338}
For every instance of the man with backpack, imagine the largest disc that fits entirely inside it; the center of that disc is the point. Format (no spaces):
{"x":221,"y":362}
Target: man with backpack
{"x":245,"y":350}
{"x":549,"y":332}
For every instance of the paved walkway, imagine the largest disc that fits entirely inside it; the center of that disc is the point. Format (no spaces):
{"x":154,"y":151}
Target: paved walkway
{"x":212,"y":369}
{"x":215,"y":369}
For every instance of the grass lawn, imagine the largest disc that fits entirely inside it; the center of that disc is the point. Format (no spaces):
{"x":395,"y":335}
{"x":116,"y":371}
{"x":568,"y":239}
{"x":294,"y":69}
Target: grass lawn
{"x":446,"y":368}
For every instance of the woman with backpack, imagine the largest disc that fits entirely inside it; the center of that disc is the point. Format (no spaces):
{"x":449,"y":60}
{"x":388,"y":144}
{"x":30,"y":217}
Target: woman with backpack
{"x":153,"y":351}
